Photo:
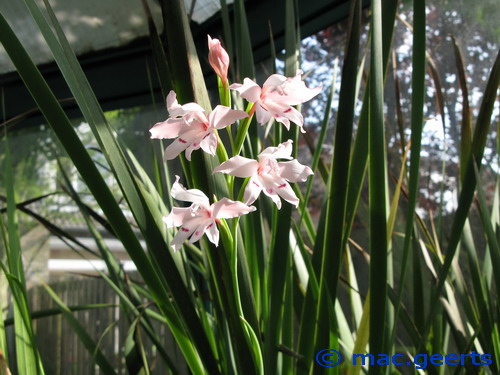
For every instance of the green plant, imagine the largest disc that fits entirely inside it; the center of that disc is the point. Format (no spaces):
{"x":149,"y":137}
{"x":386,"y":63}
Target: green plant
{"x":272,"y":303}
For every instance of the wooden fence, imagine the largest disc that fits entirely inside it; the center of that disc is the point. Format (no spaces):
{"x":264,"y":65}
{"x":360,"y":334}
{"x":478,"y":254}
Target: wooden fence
{"x":61,"y":350}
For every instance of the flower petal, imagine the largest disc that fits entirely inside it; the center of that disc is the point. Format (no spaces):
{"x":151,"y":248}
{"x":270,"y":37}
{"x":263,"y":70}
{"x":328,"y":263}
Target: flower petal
{"x":293,"y":171}
{"x":296,"y":92}
{"x":177,"y":216}
{"x":184,"y":141}
{"x":262,"y":113}
{"x":175,"y":109}
{"x":285,"y":121}
{"x":209,"y":143}
{"x":270,"y":184}
{"x":200,"y":230}
{"x":213,"y":233}
{"x":238,"y":166}
{"x":170,"y":128}
{"x":275,"y":80}
{"x":253,"y":189}
{"x":175,"y":148}
{"x":282,"y":151}
{"x":293,"y":115}
{"x":223,"y":116}
{"x":249,"y":90}
{"x":182,"y":234}
{"x":192,"y":195}
{"x":192,"y":147}
{"x":173,"y":106}
{"x":286,"y":192}
{"x":227,"y":209}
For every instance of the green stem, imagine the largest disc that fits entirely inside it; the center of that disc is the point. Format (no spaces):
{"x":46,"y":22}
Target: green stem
{"x":243,"y":129}
{"x":225,"y":100}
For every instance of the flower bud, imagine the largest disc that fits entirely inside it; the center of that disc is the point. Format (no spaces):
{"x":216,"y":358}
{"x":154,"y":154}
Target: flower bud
{"x":218,"y":58}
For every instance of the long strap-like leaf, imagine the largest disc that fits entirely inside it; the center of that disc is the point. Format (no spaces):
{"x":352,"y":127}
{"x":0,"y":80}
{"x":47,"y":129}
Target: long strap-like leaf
{"x":377,"y":192}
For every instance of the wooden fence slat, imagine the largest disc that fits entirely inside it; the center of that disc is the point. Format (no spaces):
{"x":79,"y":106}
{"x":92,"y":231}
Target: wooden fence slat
{"x":62,"y":352}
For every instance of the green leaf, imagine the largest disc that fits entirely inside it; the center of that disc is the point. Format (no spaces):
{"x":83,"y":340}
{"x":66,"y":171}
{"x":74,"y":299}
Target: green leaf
{"x":280,"y":256}
{"x":362,"y":336}
{"x":27,"y":356}
{"x":466,"y":128}
{"x":417,"y":119}
{"x":333,"y":249}
{"x":465,"y":199}
{"x":161,"y":62}
{"x":489,"y":230}
{"x":377,"y":192}
{"x":319,"y":145}
{"x":359,"y":157}
{"x":134,"y":351}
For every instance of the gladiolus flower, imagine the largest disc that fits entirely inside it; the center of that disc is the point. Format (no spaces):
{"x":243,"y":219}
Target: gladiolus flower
{"x":218,"y":59}
{"x":268,"y":175}
{"x":201,"y":217}
{"x":192,"y":128}
{"x":276,"y":98}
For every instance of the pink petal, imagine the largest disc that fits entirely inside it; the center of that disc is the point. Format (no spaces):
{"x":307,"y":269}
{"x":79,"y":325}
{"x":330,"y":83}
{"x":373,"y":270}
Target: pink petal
{"x":177,"y":216}
{"x":238,"y":166}
{"x":193,"y":147}
{"x":252,"y":190}
{"x":175,"y":148}
{"x":222,"y":116}
{"x":182,"y":142}
{"x":286,"y":192}
{"x":227,"y":209}
{"x":283,"y":120}
{"x":200,"y":230}
{"x":197,"y":119}
{"x":297,"y":92}
{"x":173,"y":106}
{"x":249,"y":90}
{"x":209,"y":143}
{"x":282,"y":151}
{"x":281,"y":111}
{"x":293,"y":115}
{"x":293,"y":171}
{"x":168,"y":129}
{"x":175,"y":109}
{"x":192,"y":195}
{"x":213,"y":234}
{"x":192,"y":108}
{"x":182,"y":235}
{"x":262,"y":113}
{"x":274,"y":80}
{"x":270,"y":184}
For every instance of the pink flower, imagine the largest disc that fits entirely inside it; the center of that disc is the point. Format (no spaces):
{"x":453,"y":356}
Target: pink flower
{"x":268,"y":175}
{"x":276,"y":98}
{"x":200,"y":217}
{"x":192,"y":128}
{"x":218,"y":58}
